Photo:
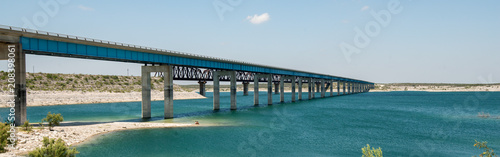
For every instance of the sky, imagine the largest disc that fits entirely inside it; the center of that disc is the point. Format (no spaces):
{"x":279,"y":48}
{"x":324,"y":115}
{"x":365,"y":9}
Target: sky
{"x":385,"y":41}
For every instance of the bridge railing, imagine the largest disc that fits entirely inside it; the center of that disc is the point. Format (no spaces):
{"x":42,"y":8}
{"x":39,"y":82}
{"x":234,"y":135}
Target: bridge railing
{"x":116,"y":43}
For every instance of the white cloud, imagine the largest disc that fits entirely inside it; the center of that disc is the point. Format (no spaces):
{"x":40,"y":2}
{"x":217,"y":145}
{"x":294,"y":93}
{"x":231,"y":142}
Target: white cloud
{"x":84,"y":8}
{"x":346,"y":21}
{"x":365,"y":8}
{"x":257,"y":19}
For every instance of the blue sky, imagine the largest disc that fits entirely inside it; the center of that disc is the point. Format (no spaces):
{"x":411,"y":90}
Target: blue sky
{"x":426,"y":41}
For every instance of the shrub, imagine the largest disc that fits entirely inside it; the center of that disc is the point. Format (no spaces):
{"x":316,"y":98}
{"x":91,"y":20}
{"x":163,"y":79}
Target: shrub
{"x":3,"y":136}
{"x":56,"y":148}
{"x":371,"y":152}
{"x":53,"y":120}
{"x":488,"y":152}
{"x":26,"y":126}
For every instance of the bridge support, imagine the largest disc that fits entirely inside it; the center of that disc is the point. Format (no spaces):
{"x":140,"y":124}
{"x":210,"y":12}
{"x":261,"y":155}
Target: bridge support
{"x":323,"y":90}
{"x":202,"y":87}
{"x":293,"y":88}
{"x":232,"y":75}
{"x":338,"y":87}
{"x":282,"y":88}
{"x":331,"y":87}
{"x":168,"y":90}
{"x":313,"y":85}
{"x":310,"y":88}
{"x":19,"y":83}
{"x":245,"y":88}
{"x":256,"y":88}
{"x":300,"y":88}
{"x":343,"y":87}
{"x":276,"y":87}
{"x":348,"y":87}
{"x":318,"y":84}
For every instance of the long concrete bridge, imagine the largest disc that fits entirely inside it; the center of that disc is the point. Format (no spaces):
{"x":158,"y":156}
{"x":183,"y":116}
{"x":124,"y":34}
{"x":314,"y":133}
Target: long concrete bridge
{"x":172,"y":64}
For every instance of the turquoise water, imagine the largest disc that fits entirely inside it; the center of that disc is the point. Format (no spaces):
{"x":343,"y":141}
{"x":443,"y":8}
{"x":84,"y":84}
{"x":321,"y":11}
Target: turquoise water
{"x":401,"y":123}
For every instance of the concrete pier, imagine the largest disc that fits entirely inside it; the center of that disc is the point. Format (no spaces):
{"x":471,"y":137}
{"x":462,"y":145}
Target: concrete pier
{"x":293,"y":88}
{"x":331,"y":88}
{"x":245,"y":88}
{"x":300,"y":88}
{"x":348,"y":87}
{"x":313,"y":85}
{"x":168,"y":90}
{"x":276,"y":88}
{"x":343,"y":87}
{"x":20,"y":84}
{"x":282,"y":88}
{"x":269,"y":88}
{"x":310,"y":88}
{"x":232,"y":75}
{"x":202,"y":87}
{"x":318,"y":87}
{"x":323,"y":90}
{"x":338,"y":87}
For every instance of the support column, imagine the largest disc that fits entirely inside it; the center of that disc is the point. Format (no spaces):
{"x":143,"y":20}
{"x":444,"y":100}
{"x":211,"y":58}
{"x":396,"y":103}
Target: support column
{"x":300,"y":88}
{"x":310,"y":88}
{"x":331,"y":88}
{"x":343,"y":87}
{"x":313,"y":86}
{"x":318,"y":87}
{"x":216,"y":90}
{"x":282,"y":88}
{"x":270,"y":90}
{"x":256,"y":89}
{"x":245,"y":88}
{"x":349,"y":88}
{"x":338,"y":87}
{"x":146,"y":91}
{"x":322,"y":84}
{"x":233,"y":90}
{"x":202,"y":87}
{"x":293,"y":88}
{"x":276,"y":87}
{"x":168,"y":91}
{"x":20,"y":83}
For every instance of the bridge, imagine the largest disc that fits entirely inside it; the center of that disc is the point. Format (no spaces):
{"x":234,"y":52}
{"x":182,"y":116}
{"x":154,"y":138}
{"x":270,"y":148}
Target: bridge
{"x":172,"y":65}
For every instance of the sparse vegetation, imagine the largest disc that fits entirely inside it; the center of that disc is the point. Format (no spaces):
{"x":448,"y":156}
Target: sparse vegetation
{"x":53,"y":148}
{"x":53,"y":120}
{"x":3,"y":136}
{"x":488,"y":152}
{"x":26,"y":126}
{"x":371,"y":152}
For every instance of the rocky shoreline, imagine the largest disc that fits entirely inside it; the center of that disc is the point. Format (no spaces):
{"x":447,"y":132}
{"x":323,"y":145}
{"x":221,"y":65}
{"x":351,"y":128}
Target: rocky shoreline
{"x":74,"y":133}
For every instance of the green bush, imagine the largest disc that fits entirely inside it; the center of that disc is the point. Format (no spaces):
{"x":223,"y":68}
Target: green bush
{"x":53,"y":120}
{"x":26,"y":126}
{"x":371,"y":152}
{"x":4,"y":128}
{"x":53,"y":148}
{"x":488,"y":152}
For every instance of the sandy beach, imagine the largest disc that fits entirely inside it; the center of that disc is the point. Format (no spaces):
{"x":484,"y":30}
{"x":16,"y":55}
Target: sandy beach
{"x":76,"y":132}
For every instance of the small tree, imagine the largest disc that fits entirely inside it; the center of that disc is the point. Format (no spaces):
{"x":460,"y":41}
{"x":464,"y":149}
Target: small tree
{"x":56,"y":148}
{"x":3,"y":136}
{"x":53,"y":120}
{"x":371,"y":152}
{"x":26,"y":126}
{"x":488,"y":152}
